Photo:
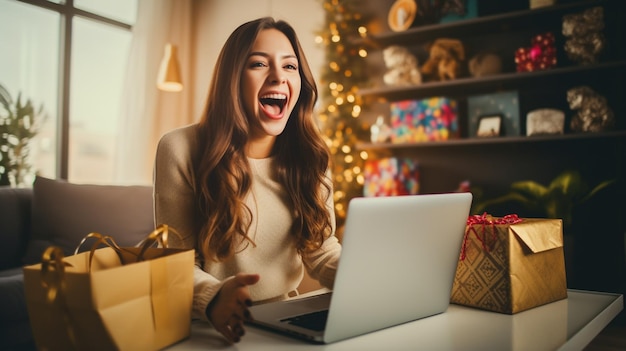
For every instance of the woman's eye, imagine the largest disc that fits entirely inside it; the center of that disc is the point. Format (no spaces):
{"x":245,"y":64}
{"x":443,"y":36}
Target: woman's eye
{"x":291,"y":66}
{"x":257,"y":64}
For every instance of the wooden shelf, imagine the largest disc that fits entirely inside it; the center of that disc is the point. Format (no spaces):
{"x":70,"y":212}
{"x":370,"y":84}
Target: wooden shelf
{"x":509,"y":21}
{"x":516,"y":80}
{"x":491,"y":141}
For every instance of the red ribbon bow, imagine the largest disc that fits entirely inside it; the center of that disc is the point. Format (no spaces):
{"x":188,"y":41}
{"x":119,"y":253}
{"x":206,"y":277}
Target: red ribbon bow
{"x":486,"y":221}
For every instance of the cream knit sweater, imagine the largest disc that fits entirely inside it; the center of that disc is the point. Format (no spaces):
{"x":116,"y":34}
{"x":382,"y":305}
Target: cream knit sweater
{"x":274,"y":257}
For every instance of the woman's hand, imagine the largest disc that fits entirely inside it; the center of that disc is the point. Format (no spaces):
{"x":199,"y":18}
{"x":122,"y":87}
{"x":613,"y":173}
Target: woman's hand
{"x":229,"y":308}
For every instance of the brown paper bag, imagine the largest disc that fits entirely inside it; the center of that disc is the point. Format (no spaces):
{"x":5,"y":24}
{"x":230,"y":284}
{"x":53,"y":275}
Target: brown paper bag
{"x":510,"y":265}
{"x":92,"y":301}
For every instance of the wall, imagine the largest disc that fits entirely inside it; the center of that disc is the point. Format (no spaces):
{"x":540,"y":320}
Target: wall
{"x":214,"y":20}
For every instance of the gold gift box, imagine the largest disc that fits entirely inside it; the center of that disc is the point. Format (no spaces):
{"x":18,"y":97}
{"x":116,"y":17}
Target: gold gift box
{"x":511,"y":267}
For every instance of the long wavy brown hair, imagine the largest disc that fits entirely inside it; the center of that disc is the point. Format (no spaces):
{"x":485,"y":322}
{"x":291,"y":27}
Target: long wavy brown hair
{"x":222,"y":170}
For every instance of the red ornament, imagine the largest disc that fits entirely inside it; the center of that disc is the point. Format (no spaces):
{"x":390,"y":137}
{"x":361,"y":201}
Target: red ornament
{"x":535,"y":53}
{"x":541,"y":55}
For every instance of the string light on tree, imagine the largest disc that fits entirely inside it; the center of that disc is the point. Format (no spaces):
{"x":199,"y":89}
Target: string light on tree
{"x":340,"y":108}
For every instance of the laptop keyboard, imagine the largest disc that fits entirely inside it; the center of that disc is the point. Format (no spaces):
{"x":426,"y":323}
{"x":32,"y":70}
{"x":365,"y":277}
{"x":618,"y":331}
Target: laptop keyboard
{"x":313,"y":321}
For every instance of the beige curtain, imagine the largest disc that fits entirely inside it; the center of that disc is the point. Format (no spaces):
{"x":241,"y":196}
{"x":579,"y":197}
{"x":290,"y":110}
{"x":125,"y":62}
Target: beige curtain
{"x":147,"y":113}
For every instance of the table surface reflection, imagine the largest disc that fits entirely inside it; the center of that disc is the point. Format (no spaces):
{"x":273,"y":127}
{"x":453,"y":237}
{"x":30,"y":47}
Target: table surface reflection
{"x":568,"y":324}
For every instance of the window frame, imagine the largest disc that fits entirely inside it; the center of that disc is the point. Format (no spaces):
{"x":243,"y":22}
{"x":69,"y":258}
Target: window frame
{"x":67,"y":12}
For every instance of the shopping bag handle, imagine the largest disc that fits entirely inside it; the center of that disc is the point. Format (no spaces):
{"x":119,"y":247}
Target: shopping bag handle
{"x":101,"y":239}
{"x":159,"y":236}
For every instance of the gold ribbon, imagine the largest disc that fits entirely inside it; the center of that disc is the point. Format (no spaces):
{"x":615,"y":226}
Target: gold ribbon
{"x":53,"y":279}
{"x":158,"y":236}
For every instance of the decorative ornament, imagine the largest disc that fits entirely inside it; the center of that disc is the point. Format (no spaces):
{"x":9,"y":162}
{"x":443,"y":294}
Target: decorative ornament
{"x":401,"y":15}
{"x":545,"y":121}
{"x":583,"y":31}
{"x":401,"y":67}
{"x":593,"y":114}
{"x":444,"y":60}
{"x":380,"y":132}
{"x":540,"y":55}
{"x":485,"y":64}
{"x":405,"y":14}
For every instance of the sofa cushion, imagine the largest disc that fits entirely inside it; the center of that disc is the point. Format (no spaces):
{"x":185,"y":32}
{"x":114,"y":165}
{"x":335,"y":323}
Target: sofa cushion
{"x":14,"y":225}
{"x":64,"y":213}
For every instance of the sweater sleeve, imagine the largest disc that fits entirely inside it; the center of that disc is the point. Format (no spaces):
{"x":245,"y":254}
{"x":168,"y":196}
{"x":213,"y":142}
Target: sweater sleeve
{"x":175,"y":205}
{"x":321,"y":264}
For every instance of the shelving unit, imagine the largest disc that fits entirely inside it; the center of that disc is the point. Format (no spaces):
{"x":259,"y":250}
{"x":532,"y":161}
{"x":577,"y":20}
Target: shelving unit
{"x":511,"y":21}
{"x":494,"y":163}
{"x":500,"y":140}
{"x":545,"y":88}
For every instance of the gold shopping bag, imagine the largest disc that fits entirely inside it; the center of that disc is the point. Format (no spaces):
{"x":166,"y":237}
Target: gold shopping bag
{"x":111,"y":298}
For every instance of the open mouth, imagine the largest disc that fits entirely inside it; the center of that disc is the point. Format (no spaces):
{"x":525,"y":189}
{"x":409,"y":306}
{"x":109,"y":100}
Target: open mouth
{"x":273,"y":104}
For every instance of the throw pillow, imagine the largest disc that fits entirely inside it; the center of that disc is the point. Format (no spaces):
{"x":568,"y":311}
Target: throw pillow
{"x":64,"y":213}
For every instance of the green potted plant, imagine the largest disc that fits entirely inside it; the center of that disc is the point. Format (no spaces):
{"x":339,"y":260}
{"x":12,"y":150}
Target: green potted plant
{"x":557,"y":200}
{"x":19,"y":123}
{"x":563,"y":198}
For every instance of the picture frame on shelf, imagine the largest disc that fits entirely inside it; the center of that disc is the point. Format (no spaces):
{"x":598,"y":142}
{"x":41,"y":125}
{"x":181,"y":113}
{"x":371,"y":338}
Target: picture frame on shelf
{"x":489,"y":126}
{"x":503,"y":103}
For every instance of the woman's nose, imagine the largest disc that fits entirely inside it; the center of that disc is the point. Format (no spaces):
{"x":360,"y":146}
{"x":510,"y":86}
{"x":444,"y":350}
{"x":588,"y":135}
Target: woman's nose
{"x":276,"y":77}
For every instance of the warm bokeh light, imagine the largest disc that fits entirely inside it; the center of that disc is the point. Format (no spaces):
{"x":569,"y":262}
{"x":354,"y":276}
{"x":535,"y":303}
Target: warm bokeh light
{"x":344,"y":74}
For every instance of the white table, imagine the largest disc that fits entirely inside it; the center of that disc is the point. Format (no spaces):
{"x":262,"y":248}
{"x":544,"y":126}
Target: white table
{"x":569,"y":324}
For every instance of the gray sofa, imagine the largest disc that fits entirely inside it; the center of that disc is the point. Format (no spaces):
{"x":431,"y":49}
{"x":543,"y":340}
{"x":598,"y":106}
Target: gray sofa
{"x":59,"y":213}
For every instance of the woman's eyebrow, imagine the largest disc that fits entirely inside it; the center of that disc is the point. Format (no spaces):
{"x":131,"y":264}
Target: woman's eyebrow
{"x":264,"y":54}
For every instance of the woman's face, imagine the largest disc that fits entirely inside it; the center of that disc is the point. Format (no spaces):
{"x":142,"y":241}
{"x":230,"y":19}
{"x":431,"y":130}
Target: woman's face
{"x":270,"y":85}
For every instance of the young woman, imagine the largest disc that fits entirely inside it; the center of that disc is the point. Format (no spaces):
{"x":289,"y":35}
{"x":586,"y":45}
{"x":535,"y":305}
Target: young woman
{"x":248,"y":186}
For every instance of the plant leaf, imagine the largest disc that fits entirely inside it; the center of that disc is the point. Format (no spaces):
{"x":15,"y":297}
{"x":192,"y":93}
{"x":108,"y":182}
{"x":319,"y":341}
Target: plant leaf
{"x":529,"y":203}
{"x":569,"y":183}
{"x":530,"y":189}
{"x":5,"y":98}
{"x":597,"y":189}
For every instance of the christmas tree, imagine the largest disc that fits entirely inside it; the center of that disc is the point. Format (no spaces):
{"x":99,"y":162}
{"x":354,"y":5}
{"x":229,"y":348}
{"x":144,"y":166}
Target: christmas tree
{"x":345,"y":71}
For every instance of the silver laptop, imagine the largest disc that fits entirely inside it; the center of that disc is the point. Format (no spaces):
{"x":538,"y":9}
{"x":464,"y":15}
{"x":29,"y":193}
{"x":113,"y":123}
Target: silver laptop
{"x":397,"y":265}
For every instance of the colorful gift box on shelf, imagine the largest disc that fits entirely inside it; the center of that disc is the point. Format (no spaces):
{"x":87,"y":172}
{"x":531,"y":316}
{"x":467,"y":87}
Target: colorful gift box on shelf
{"x":432,"y":119}
{"x":462,"y":11}
{"x":510,"y":264}
{"x":391,"y":176}
{"x":503,"y":104}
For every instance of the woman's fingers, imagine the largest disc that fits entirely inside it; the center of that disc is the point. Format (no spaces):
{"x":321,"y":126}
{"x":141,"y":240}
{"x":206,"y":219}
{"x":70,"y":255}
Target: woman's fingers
{"x":238,"y":329}
{"x":230,"y":310}
{"x":233,"y":329}
{"x":229,"y":334}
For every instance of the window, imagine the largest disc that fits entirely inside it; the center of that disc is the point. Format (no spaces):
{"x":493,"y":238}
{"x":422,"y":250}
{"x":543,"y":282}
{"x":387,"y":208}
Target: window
{"x":69,"y":56}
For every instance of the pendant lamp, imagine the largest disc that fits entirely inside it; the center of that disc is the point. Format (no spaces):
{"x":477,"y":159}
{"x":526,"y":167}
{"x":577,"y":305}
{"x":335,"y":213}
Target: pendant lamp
{"x":168,"y":78}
